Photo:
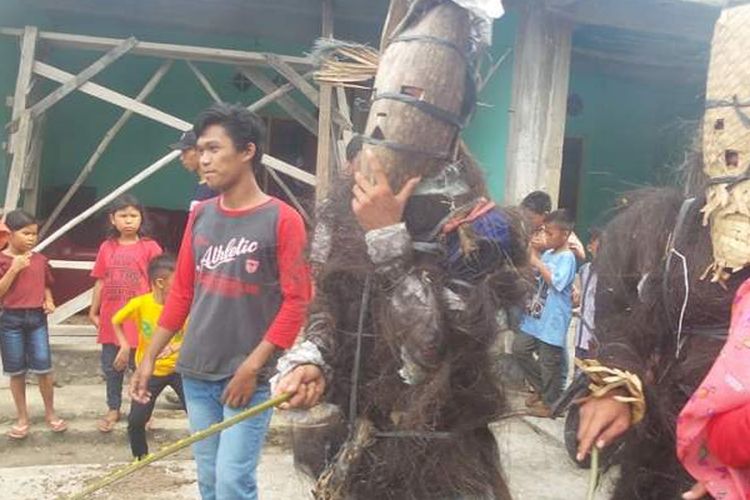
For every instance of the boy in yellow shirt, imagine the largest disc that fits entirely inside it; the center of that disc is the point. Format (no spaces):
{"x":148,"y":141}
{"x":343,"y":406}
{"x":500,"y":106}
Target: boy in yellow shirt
{"x":144,"y":311}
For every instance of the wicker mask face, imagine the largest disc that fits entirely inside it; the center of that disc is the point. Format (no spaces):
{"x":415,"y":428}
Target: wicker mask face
{"x":418,"y":108}
{"x":726,"y":144}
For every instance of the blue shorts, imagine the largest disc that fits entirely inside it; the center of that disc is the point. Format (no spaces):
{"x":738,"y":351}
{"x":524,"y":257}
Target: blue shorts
{"x":24,"y":342}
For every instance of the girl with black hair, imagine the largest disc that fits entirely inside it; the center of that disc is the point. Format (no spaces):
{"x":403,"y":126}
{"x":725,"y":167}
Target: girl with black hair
{"x":121,"y":273}
{"x":25,"y":281}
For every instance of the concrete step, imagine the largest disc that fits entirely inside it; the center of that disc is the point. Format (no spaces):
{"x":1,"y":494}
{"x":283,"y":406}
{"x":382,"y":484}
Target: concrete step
{"x":82,"y":406}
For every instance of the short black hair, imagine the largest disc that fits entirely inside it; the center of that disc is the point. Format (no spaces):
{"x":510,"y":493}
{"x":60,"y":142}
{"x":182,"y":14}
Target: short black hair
{"x":243,"y":126}
{"x":160,"y":266}
{"x":538,"y":202}
{"x":353,"y":148}
{"x":19,"y":219}
{"x":560,"y":218}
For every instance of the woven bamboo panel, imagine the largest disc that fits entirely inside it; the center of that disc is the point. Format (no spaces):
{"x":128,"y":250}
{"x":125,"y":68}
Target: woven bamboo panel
{"x":437,"y":75}
{"x":726,"y":141}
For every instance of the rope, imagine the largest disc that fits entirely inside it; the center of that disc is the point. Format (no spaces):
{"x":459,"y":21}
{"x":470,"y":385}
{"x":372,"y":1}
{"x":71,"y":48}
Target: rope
{"x":684,"y":301}
{"x":182,"y":443}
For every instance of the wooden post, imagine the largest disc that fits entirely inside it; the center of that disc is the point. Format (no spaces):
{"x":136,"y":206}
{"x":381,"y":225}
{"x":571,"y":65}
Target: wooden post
{"x":20,"y":139}
{"x":88,"y":167}
{"x":30,"y":184}
{"x":204,"y":81}
{"x":323,"y":164}
{"x":273,"y":96}
{"x":538,"y":107}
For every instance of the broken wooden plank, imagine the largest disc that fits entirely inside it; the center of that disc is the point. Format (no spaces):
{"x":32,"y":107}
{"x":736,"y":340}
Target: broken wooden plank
{"x":204,"y":81}
{"x":270,"y":98}
{"x":163,"y":50}
{"x":76,"y":81}
{"x":113,"y":97}
{"x":88,"y":167}
{"x":288,"y":169}
{"x":84,"y":265}
{"x":30,"y":185}
{"x":290,"y":194}
{"x":71,"y":307}
{"x":127,"y":185}
{"x":19,"y":162}
{"x":295,"y":110}
{"x":293,"y":77}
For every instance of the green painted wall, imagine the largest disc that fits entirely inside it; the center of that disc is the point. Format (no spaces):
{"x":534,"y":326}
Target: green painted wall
{"x":76,"y":124}
{"x":633,"y":133}
{"x":487,"y":135}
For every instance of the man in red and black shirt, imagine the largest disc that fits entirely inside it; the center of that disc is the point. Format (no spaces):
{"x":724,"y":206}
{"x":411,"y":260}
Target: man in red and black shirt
{"x":242,"y":279}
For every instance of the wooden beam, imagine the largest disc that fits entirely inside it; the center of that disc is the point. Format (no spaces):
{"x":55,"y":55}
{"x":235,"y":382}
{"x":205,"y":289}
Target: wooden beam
{"x":293,"y":77}
{"x":73,"y":306}
{"x":342,"y":107}
{"x":323,"y":162}
{"x":113,"y":97}
{"x":83,"y":265}
{"x":269,"y":98}
{"x":62,"y":330}
{"x":290,"y":194}
{"x":163,"y":50}
{"x":88,"y":167}
{"x":76,"y":81}
{"x":295,"y":110}
{"x":127,"y":185}
{"x":20,"y":139}
{"x":290,"y":170}
{"x":204,"y":81}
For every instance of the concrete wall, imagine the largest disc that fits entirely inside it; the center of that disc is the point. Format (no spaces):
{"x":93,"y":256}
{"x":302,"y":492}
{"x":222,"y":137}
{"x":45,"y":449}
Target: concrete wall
{"x":487,"y":135}
{"x":634,"y":134}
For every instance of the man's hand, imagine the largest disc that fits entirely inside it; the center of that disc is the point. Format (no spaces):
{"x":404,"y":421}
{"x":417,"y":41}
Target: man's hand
{"x":20,"y":262}
{"x":121,"y":360}
{"x":602,"y":421}
{"x":139,"y":381}
{"x":306,"y":383}
{"x":240,"y":389}
{"x":374,"y":203}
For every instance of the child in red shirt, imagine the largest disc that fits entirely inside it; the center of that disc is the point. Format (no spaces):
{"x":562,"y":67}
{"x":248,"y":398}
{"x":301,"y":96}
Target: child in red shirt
{"x":121,"y":272}
{"x":26,"y":301}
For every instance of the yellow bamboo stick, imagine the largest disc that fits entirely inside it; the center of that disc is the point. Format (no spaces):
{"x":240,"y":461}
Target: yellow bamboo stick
{"x":178,"y":445}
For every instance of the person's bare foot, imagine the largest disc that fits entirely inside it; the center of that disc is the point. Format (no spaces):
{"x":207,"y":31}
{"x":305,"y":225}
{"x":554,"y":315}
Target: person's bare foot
{"x":151,"y":424}
{"x":108,"y":421}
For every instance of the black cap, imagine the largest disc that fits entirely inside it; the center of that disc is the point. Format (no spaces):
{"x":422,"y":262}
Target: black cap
{"x":187,"y":141}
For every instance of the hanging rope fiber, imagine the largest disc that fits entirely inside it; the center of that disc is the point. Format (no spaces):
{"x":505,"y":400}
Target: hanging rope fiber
{"x":178,"y":445}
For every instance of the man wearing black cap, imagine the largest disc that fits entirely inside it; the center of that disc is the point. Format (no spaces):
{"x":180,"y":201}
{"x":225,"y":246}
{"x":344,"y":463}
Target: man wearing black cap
{"x":189,"y":159}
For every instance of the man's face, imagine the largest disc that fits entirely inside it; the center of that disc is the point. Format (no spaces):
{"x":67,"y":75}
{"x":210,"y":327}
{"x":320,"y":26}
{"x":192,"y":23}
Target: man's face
{"x":222,"y":165}
{"x":190,"y":159}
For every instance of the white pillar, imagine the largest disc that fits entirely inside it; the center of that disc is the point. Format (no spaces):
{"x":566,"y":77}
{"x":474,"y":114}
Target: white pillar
{"x":538,"y":106}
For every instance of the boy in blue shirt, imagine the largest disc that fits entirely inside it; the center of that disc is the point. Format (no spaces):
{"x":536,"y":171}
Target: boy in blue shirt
{"x":544,"y":326}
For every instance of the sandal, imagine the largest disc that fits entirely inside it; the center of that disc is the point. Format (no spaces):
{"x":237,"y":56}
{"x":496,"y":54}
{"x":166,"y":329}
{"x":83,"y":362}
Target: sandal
{"x":107,"y":423}
{"x":19,"y":432}
{"x":58,"y":425}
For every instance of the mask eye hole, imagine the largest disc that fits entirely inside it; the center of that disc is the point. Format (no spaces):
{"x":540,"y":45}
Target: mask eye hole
{"x":416,"y":92}
{"x":731,"y":158}
{"x":719,"y":124}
